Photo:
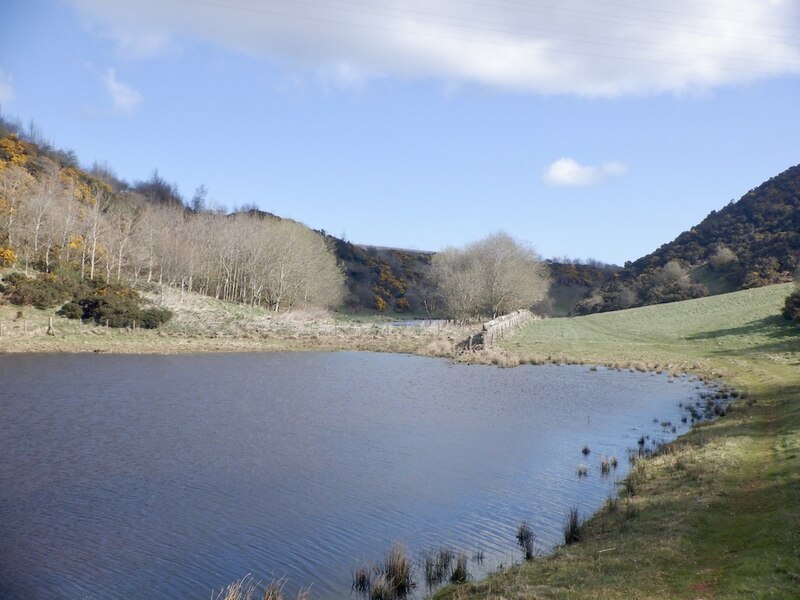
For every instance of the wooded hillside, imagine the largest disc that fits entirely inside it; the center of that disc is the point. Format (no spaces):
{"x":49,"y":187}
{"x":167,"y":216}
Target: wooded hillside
{"x":749,"y":243}
{"x":58,"y":219}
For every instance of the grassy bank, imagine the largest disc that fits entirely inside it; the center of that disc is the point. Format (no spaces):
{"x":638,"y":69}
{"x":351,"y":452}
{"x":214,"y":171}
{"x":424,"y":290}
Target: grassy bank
{"x":203,"y":324}
{"x":717,"y":514}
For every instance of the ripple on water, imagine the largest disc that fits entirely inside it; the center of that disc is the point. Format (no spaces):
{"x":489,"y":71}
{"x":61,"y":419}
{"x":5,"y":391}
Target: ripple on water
{"x":169,"y":476}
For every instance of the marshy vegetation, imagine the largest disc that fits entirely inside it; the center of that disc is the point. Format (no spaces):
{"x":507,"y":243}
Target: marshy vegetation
{"x":394,"y":578}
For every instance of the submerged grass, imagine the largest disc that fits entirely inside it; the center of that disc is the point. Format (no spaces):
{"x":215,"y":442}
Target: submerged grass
{"x":715,"y":514}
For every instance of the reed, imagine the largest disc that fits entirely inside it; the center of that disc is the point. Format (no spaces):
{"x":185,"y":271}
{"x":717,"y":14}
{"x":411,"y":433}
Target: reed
{"x":525,"y":539}
{"x":399,"y":570}
{"x":460,"y":573}
{"x":573,"y":528}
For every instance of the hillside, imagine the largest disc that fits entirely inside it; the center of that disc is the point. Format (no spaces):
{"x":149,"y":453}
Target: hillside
{"x":749,"y":243}
{"x":44,"y":193}
{"x":713,"y":515}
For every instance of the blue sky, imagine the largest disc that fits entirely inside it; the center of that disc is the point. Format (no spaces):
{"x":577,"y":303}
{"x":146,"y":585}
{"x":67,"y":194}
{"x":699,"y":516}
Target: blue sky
{"x":600,"y":130}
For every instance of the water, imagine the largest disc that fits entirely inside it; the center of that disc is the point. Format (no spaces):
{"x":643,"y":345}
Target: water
{"x":169,"y":476}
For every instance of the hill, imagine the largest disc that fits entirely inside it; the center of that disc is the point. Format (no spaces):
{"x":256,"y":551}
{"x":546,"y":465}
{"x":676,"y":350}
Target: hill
{"x":749,"y":243}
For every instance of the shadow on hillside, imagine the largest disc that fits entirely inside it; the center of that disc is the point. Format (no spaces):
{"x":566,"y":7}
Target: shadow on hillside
{"x":773,"y":326}
{"x":786,"y":336}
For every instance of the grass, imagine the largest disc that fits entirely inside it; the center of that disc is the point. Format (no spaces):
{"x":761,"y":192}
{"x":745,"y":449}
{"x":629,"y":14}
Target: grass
{"x":203,"y":324}
{"x":715,"y":514}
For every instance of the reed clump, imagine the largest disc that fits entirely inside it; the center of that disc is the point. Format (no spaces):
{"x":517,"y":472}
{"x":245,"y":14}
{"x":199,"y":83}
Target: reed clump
{"x":525,"y":539}
{"x":248,"y":588}
{"x":573,"y":528}
{"x":437,"y":565}
{"x":460,"y":572}
{"x":399,"y":571}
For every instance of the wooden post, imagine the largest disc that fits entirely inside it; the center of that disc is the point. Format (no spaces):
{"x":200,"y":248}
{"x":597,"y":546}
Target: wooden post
{"x":50,"y":330}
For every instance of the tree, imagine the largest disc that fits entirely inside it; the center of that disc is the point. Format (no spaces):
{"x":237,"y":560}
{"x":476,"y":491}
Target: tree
{"x":723,"y":257}
{"x":492,"y":276}
{"x":198,"y":203}
{"x":15,"y":186}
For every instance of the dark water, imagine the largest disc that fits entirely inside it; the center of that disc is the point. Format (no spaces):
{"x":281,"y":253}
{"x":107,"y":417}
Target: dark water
{"x":169,"y":476}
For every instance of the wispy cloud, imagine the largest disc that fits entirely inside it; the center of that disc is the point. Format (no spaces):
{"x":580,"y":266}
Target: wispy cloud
{"x":581,"y":47}
{"x":567,"y":172}
{"x":125,"y":99}
{"x":6,"y":87}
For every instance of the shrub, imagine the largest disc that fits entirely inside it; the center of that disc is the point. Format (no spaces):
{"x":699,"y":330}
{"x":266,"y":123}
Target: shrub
{"x":71,"y":310}
{"x":7,"y":257}
{"x":153,"y":318}
{"x":46,"y":291}
{"x":791,"y":310}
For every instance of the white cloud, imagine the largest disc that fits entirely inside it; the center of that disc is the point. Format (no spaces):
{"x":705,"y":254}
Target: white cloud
{"x":568,"y":172}
{"x":6,"y":87}
{"x":582,"y":47}
{"x":126,"y":99}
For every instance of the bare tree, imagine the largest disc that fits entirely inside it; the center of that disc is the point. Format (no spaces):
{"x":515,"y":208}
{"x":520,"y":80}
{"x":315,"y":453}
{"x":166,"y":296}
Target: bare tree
{"x":492,"y":276}
{"x":15,"y":186}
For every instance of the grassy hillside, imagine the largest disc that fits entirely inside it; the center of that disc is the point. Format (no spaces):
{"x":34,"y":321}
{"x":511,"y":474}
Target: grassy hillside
{"x":716,"y":514}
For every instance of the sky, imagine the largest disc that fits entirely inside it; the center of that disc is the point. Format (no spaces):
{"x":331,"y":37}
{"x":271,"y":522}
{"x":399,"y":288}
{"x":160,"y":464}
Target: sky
{"x":589,"y":128}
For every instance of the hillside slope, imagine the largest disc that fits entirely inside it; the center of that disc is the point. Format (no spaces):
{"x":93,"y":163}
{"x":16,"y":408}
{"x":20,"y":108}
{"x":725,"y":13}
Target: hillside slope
{"x":715,"y":514}
{"x":749,"y":243}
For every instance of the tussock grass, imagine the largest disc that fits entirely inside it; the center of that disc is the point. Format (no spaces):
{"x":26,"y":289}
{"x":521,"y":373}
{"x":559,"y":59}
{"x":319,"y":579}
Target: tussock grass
{"x":248,"y":588}
{"x":525,"y":539}
{"x":399,"y":570}
{"x":572,"y":527}
{"x":460,"y":572}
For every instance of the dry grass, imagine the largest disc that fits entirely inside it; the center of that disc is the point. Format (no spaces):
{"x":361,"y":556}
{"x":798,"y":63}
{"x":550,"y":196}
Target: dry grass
{"x":247,"y":588}
{"x":203,"y":324}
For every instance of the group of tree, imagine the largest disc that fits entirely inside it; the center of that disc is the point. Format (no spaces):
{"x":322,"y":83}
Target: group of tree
{"x":749,"y":243}
{"x":487,"y":278}
{"x":54,"y":215}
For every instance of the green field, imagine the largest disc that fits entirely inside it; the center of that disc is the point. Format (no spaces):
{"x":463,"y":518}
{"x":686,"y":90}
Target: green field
{"x":715,"y":515}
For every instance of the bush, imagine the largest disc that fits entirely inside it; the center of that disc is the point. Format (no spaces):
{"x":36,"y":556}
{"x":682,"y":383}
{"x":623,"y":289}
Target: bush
{"x":112,"y":305}
{"x":71,"y":310}
{"x":7,"y":257}
{"x":153,"y":318}
{"x":46,"y":291}
{"x":791,"y":310}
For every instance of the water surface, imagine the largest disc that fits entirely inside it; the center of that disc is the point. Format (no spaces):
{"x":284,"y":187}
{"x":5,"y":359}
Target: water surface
{"x":168,"y":476}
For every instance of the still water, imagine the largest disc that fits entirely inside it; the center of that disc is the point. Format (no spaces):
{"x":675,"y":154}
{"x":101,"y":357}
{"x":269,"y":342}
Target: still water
{"x":170,"y":476}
